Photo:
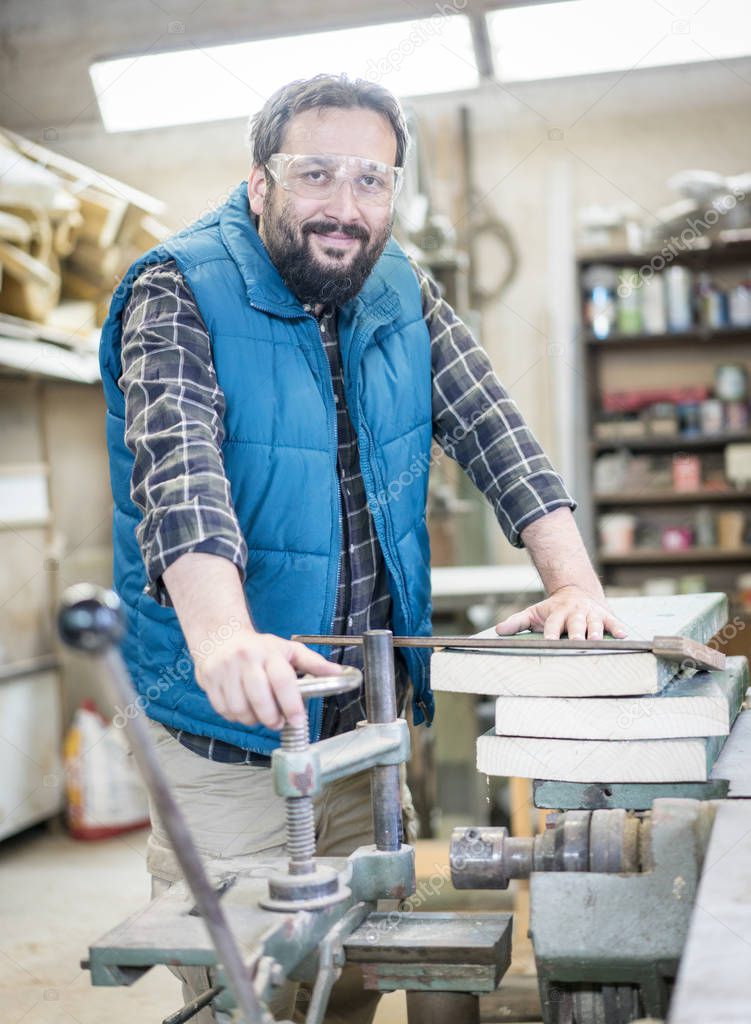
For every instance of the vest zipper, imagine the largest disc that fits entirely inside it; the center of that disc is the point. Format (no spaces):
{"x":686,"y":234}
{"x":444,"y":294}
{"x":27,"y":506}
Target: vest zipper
{"x":392,"y":561}
{"x":333,"y":444}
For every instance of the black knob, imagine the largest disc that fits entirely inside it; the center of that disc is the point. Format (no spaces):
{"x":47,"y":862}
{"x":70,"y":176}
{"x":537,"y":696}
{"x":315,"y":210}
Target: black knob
{"x":91,"y":618}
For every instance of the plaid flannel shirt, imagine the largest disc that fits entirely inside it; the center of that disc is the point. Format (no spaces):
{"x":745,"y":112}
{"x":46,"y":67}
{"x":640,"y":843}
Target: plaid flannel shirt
{"x":174,"y":427}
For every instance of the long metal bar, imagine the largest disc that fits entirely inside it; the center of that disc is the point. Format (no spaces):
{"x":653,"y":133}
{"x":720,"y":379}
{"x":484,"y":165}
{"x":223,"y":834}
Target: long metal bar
{"x":671,"y":648}
{"x":380,"y":704}
{"x":499,"y":643}
{"x":194,"y":1007}
{"x":207,"y":901}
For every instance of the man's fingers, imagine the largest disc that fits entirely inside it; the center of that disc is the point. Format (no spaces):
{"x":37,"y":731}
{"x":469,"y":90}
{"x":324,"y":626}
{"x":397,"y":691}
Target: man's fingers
{"x":236,"y":702}
{"x":576,"y":625}
{"x":553,"y":625}
{"x":260,"y":697}
{"x":615,"y":627}
{"x":306,"y":660}
{"x":515,"y":623}
{"x":286,"y":690}
{"x":595,"y":628}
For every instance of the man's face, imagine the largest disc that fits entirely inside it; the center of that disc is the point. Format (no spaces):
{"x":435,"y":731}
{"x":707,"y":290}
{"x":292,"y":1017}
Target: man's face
{"x":325,"y":248}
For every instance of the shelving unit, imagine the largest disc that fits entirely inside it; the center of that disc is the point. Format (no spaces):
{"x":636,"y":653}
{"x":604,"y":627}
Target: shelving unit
{"x":674,"y":359}
{"x":55,"y":521}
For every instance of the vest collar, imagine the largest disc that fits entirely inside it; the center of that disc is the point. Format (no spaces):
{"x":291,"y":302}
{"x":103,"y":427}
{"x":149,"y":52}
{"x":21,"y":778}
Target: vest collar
{"x":377,"y":302}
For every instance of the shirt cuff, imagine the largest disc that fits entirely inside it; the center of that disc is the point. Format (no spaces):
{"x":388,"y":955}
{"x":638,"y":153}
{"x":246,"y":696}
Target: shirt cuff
{"x":530,"y":498}
{"x":184,"y":529}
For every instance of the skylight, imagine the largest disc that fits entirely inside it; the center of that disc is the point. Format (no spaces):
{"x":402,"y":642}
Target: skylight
{"x":411,"y":58}
{"x":584,"y":37}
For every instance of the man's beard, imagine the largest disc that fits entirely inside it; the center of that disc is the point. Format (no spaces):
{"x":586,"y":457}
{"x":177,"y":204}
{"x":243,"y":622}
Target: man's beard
{"x":290,"y":248}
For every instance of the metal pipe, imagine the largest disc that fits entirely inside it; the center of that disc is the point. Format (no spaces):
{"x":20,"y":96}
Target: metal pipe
{"x":181,"y":841}
{"x":92,"y":620}
{"x":194,"y":1007}
{"x":380,"y":704}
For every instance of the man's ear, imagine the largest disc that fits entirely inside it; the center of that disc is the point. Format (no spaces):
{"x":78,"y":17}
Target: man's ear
{"x":257,"y":189}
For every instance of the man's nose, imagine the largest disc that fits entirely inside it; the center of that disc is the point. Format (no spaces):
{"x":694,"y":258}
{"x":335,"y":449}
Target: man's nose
{"x":342,"y":205}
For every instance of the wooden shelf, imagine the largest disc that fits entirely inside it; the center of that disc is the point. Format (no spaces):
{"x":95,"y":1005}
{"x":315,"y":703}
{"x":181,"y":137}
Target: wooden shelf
{"x":673,"y":339}
{"x":674,"y":442}
{"x":704,"y":346}
{"x":656,"y":556}
{"x":13,"y":525}
{"x":671,"y":497}
{"x":716,"y":254}
{"x":30,"y":667}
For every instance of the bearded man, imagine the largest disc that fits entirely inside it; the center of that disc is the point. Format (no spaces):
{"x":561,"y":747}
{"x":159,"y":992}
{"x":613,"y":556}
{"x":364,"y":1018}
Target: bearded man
{"x":270,"y":373}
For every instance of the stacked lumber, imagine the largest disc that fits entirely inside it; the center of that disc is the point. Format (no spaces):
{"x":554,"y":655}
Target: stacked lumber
{"x":596,"y":717}
{"x":67,"y":234}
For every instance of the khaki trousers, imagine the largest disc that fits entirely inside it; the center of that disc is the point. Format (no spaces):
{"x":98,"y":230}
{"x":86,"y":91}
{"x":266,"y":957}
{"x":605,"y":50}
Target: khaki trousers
{"x":232,"y":811}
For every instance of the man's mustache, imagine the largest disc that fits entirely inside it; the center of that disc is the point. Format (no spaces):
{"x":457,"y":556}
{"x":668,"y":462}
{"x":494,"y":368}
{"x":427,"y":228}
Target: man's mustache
{"x":329,"y":227}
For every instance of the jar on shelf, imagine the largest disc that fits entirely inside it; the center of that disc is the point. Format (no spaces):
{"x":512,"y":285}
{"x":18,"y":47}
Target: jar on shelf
{"x":600,"y":283}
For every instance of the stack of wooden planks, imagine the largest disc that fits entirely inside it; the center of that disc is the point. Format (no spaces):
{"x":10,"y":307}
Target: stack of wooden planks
{"x":67,"y":234}
{"x":605,"y":717}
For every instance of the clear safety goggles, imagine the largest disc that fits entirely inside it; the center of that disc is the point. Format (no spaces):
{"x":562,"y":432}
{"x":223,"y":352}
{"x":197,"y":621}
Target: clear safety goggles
{"x":319,"y":176}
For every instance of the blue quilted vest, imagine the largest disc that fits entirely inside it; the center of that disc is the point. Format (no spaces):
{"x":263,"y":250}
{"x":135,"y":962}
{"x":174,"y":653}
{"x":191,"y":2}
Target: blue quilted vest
{"x":280,"y":452}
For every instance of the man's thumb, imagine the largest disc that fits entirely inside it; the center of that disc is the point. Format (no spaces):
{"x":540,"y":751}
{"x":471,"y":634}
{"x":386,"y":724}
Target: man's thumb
{"x":514,"y":623}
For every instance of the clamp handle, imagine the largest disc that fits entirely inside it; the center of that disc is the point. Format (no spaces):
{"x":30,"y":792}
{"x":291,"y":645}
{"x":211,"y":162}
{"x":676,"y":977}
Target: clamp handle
{"x":91,"y":618}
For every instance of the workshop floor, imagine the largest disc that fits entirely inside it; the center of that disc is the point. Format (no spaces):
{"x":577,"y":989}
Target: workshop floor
{"x":57,"y":894}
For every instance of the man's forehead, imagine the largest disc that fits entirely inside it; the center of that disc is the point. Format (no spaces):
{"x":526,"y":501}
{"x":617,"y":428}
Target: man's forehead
{"x":349,"y":132}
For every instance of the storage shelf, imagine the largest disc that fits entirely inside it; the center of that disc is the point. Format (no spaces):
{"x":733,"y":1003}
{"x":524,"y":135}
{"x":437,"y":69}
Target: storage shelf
{"x":704,"y":345}
{"x":716,"y":254}
{"x":672,"y":339}
{"x":671,"y":498}
{"x":36,"y":523}
{"x":655,"y":556}
{"x":675,"y":442}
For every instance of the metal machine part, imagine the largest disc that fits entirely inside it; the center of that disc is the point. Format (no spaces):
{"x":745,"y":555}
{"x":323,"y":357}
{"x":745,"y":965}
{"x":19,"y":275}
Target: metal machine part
{"x":380,"y":704}
{"x":307,"y":884}
{"x":600,"y":841}
{"x":611,"y":896}
{"x":92,"y":621}
{"x":227,"y":926}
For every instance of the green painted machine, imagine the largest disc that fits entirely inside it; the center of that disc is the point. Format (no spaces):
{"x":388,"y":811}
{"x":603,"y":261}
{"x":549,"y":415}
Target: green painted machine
{"x":626,"y":883}
{"x":261,"y":923}
{"x":615,"y":883}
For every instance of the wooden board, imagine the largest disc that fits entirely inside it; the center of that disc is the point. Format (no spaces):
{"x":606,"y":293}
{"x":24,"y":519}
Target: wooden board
{"x":581,"y":673}
{"x":712,"y":983}
{"x":675,"y":760}
{"x":599,"y":760}
{"x":703,"y":705}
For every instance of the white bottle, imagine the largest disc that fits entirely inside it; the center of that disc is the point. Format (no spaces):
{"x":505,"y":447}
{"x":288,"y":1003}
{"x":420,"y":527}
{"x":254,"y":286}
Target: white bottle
{"x":653,"y":305}
{"x":678,"y":295}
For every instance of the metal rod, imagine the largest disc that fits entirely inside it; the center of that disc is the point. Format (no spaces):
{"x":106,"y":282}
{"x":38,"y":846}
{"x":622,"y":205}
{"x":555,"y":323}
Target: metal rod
{"x":380,"y":704}
{"x":194,"y":1006}
{"x":301,"y":825}
{"x":500,"y":643}
{"x":207,"y":901}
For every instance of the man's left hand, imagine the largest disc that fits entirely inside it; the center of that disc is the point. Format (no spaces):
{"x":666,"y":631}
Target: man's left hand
{"x":568,"y":610}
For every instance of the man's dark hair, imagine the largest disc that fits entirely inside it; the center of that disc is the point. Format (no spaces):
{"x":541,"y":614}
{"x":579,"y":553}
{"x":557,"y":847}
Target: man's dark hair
{"x":267,"y":127}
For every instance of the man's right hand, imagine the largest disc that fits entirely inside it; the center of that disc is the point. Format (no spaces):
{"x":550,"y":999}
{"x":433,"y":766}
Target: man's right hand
{"x":252,"y":678}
